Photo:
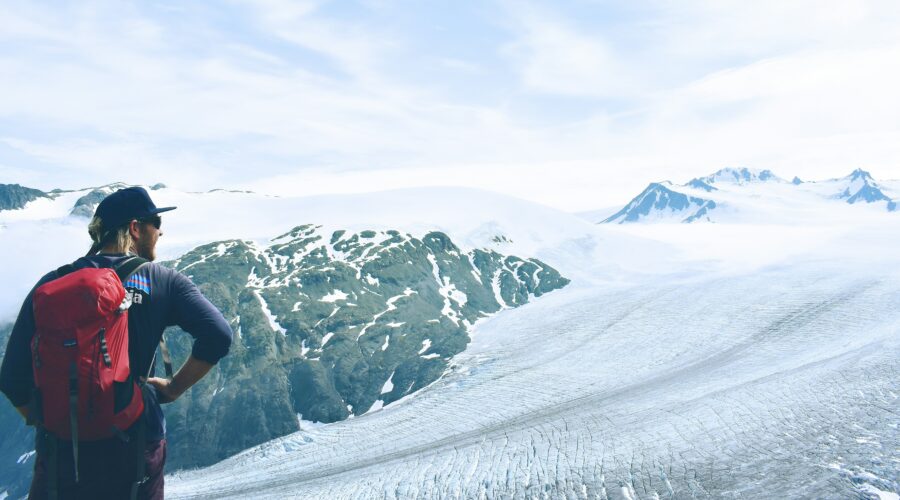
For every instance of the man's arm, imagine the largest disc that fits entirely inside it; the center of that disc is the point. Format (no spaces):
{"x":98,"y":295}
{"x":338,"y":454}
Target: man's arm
{"x":196,"y":315}
{"x":16,"y":376}
{"x":189,"y":374}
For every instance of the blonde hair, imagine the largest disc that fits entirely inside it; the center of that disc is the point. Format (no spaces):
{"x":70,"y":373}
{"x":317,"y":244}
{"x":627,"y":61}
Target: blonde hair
{"x":120,"y":237}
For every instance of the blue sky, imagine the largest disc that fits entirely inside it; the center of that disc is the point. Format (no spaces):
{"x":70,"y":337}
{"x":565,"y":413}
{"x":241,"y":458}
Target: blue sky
{"x":574,"y":104}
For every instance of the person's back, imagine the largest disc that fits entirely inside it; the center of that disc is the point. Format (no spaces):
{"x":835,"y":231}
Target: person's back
{"x":159,"y":297}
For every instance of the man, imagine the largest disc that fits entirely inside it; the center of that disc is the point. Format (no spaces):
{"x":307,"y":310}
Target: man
{"x":126,"y":222}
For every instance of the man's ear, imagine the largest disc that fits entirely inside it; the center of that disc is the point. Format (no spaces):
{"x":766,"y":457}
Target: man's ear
{"x":134,"y":227}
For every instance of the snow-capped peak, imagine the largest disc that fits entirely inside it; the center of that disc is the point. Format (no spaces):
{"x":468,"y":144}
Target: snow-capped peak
{"x":740,"y":176}
{"x":658,"y":202}
{"x":758,"y":196}
{"x":860,"y":174}
{"x":859,"y":186}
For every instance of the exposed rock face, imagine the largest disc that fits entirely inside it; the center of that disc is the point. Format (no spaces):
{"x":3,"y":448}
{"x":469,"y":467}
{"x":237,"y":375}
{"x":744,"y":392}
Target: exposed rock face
{"x":14,"y":196}
{"x":85,"y":206}
{"x":331,"y":326}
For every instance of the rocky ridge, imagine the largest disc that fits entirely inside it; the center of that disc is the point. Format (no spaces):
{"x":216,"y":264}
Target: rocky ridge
{"x":329,"y":327}
{"x":15,"y":197}
{"x":658,"y":199}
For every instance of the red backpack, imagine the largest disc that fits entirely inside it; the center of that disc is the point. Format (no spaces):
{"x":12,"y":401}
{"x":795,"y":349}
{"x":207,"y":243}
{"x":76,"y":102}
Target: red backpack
{"x":80,"y":354}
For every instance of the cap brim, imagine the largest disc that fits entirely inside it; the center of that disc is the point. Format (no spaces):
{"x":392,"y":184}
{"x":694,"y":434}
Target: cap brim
{"x":161,"y":210}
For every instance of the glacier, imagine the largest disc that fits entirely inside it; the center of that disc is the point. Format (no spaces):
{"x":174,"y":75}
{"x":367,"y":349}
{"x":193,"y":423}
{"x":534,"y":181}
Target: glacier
{"x":783,"y":382}
{"x":731,"y":360}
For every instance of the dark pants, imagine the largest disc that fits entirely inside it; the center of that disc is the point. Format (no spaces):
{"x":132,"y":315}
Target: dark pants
{"x":106,"y":469}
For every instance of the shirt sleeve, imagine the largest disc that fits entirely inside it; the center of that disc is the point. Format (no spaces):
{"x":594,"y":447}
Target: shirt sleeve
{"x":196,"y":315}
{"x":16,"y":374}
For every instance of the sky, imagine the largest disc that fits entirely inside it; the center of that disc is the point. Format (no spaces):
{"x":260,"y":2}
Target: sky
{"x":576,"y":104}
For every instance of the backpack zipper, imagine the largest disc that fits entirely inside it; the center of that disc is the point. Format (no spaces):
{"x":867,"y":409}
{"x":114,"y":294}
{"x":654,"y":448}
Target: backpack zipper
{"x":95,"y":374}
{"x":34,"y":349}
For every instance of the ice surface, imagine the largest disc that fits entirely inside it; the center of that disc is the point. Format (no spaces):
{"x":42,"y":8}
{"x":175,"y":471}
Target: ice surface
{"x":882,"y":495}
{"x":716,"y":386}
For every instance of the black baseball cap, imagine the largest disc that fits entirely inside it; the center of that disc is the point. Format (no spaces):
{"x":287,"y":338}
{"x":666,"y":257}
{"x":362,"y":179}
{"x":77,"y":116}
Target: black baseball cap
{"x":125,"y":205}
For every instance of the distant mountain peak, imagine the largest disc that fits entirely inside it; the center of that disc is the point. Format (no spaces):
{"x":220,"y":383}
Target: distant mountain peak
{"x":740,"y":176}
{"x":658,"y":201}
{"x":861,"y":187}
{"x":665,"y":202}
{"x":85,"y":206}
{"x":860,"y":174}
{"x":15,"y":197}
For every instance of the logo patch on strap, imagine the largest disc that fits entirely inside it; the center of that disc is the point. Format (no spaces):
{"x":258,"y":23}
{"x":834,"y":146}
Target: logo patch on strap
{"x":139,"y":282}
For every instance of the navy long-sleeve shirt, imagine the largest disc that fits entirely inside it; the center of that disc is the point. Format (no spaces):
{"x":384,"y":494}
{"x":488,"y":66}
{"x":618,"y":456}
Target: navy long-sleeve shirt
{"x":162,"y":297}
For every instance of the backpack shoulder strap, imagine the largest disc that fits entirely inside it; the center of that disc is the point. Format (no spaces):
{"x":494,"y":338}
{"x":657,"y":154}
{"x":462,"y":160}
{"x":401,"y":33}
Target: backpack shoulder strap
{"x":129,"y":266}
{"x":64,"y":270}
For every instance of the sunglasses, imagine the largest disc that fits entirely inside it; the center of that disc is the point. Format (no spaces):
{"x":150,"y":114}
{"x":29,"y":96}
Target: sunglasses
{"x":153,"y":219}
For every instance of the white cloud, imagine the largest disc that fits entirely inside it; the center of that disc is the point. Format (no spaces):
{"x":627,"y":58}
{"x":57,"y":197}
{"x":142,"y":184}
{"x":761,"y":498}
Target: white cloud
{"x":805,"y":114}
{"x":83,"y":161}
{"x":357,"y":50}
{"x":553,"y":56}
{"x":289,"y":92}
{"x":697,"y":29}
{"x":571,"y":185}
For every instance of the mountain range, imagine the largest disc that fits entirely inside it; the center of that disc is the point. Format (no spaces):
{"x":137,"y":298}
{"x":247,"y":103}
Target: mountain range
{"x":446,"y":342}
{"x":733,"y":195}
